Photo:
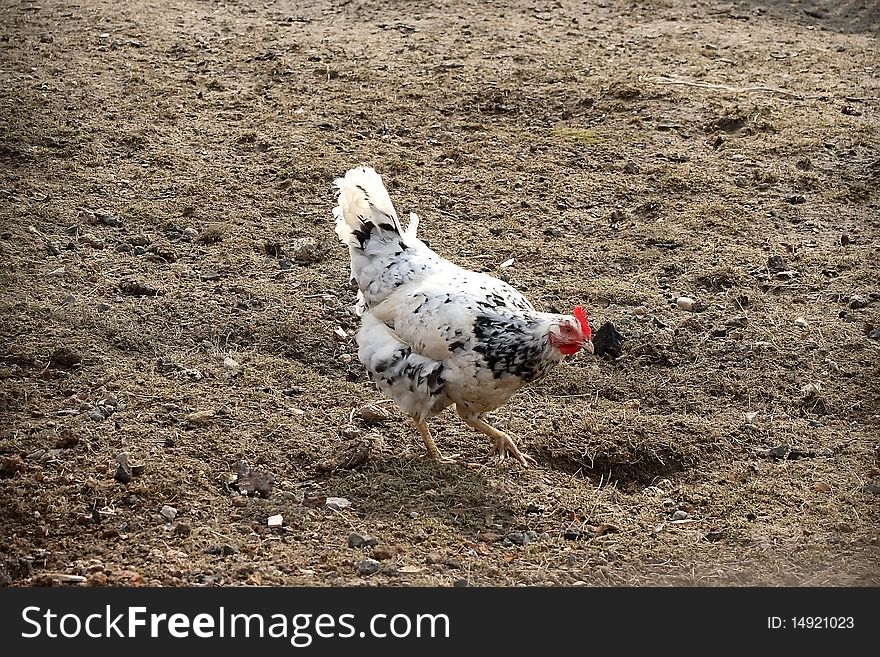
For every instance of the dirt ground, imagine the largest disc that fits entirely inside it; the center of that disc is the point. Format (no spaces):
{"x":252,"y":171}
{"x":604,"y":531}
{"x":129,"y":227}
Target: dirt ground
{"x":173,"y":292}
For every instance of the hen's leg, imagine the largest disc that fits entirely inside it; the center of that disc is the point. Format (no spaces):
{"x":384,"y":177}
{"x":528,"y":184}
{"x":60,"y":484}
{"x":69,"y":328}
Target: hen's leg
{"x":433,"y":452}
{"x":503,"y":443}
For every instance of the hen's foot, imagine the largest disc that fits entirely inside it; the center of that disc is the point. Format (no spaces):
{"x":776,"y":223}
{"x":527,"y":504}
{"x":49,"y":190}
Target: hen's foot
{"x":505,"y":448}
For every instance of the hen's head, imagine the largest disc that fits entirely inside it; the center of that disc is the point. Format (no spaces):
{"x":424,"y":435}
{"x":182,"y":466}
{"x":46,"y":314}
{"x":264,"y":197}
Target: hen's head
{"x":570,"y":333}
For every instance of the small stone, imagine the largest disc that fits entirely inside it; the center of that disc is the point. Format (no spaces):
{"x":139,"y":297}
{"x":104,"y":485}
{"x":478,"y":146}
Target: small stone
{"x":102,"y":307}
{"x":97,"y":414}
{"x":373,"y":414}
{"x":337,"y":503}
{"x":521,"y":538}
{"x":123,"y":469}
{"x":305,"y":250}
{"x":231,"y":364}
{"x":535,"y":509}
{"x":367,"y":567}
{"x":795,"y":199}
{"x":777,"y":452}
{"x":384,"y":552}
{"x":356,"y":540}
{"x":168,"y":512}
{"x":801,"y":322}
{"x":228,"y":550}
{"x":459,"y":583}
{"x":275,"y":521}
{"x":200,"y":418}
{"x":685,"y":303}
{"x":574,"y":535}
{"x":857,"y":301}
{"x":680,"y":515}
{"x":190,"y":234}
{"x":668,"y":503}
{"x":182,"y":529}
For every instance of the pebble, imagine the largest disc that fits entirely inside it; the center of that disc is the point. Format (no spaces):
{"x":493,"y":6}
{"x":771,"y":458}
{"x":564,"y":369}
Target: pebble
{"x":275,"y":521}
{"x":168,"y":512}
{"x":373,"y":414}
{"x":383,"y":552}
{"x":190,"y":233}
{"x":857,"y":301}
{"x":356,"y":540}
{"x":521,"y":538}
{"x":800,"y":321}
{"x":305,"y":250}
{"x":231,"y":363}
{"x":182,"y":529}
{"x":459,"y":583}
{"x":685,"y":303}
{"x":680,"y":515}
{"x":123,"y":469}
{"x":97,"y":414}
{"x":367,"y":567}
{"x":337,"y":503}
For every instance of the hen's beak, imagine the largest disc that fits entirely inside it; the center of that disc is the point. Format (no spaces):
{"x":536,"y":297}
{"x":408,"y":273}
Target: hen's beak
{"x":587,"y":346}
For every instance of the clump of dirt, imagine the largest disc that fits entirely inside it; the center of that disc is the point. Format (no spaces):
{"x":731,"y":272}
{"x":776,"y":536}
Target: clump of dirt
{"x":174,"y":294}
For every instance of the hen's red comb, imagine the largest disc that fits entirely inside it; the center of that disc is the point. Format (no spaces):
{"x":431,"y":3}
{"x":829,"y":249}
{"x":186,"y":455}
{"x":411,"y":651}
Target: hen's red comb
{"x":581,"y":316}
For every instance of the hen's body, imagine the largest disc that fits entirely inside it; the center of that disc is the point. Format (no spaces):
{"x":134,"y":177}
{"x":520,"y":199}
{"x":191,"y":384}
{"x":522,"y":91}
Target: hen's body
{"x":434,"y":334}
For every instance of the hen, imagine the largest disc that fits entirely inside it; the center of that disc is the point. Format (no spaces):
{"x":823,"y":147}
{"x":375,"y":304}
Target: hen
{"x":434,"y":334}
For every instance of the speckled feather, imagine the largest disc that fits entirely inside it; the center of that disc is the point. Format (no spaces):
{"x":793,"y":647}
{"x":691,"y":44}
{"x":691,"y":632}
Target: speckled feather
{"x":433,"y":333}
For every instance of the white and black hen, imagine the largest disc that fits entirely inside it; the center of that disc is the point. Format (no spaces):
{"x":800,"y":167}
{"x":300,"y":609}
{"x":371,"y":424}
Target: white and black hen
{"x":435,"y":334}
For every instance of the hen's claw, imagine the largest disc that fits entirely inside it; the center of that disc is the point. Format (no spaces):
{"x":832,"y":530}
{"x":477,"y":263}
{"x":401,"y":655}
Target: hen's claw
{"x":504,"y":444}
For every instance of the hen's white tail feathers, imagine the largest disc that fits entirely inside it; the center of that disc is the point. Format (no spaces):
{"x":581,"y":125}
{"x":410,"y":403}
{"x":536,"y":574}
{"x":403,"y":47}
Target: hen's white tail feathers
{"x":363,"y":198}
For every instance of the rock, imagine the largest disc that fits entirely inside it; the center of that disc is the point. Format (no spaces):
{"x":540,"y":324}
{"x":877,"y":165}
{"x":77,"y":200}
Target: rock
{"x":384,"y":552}
{"x":356,"y":540}
{"x":795,"y":199}
{"x":801,"y":322}
{"x":337,"y":503}
{"x":97,"y":414}
{"x":777,"y":452}
{"x":776,"y":263}
{"x":857,"y":301}
{"x":521,"y":538}
{"x":200,"y":418}
{"x":680,"y":515}
{"x":254,"y":481}
{"x":367,"y":567}
{"x":459,"y":583}
{"x":168,"y":512}
{"x":535,"y":509}
{"x":275,"y":521}
{"x":231,"y":364}
{"x":182,"y":529}
{"x":685,"y":303}
{"x":305,"y":250}
{"x":228,"y":550}
{"x":124,"y":472}
{"x":575,"y":535}
{"x":373,"y":414}
{"x":607,"y":340}
{"x":65,"y":358}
